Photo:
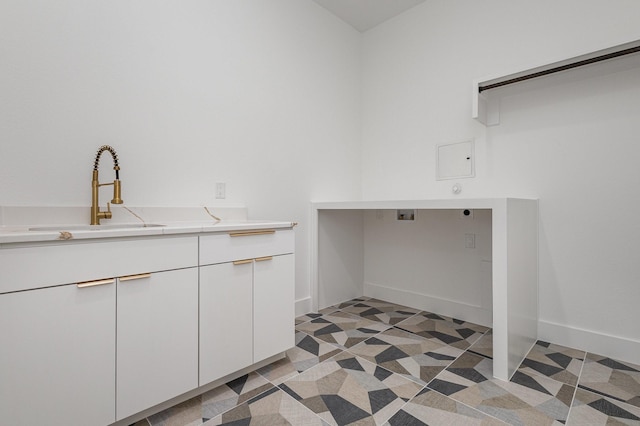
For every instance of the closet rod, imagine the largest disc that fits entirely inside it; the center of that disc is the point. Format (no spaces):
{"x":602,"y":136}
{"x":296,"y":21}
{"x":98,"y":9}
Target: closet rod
{"x":561,"y":68}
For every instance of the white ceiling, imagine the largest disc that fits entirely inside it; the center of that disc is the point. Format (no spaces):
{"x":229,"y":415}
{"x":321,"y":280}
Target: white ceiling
{"x":366,"y":14}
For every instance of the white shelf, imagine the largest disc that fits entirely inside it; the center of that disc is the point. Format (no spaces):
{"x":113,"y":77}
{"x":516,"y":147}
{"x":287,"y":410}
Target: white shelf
{"x":486,"y":105}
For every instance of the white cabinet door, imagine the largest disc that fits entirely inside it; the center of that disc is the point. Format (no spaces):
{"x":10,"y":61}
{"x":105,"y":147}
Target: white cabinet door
{"x":273,"y":304}
{"x":226,"y":319}
{"x":57,"y":356}
{"x":157,"y":339}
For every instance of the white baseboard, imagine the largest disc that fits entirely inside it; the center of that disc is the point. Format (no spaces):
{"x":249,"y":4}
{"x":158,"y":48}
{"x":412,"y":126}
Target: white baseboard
{"x":451,"y":308}
{"x":616,"y":347}
{"x":303,"y":306}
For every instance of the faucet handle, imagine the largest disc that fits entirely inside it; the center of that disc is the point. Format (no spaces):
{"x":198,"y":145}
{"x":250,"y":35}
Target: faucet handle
{"x":107,"y":214}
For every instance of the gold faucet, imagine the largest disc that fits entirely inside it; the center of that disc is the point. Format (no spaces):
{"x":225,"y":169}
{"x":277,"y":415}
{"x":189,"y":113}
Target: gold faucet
{"x":96,"y":214}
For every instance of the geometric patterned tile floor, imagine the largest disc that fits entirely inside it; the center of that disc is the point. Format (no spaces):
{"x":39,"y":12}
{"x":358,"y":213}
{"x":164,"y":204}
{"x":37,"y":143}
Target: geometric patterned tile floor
{"x":370,"y":362}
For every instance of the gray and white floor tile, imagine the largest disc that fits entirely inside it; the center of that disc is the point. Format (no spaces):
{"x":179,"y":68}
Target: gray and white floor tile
{"x":554,"y":361}
{"x":447,"y":330}
{"x":342,"y":329}
{"x":378,"y":310}
{"x":432,"y":408}
{"x":408,"y":354}
{"x":307,"y":353}
{"x":347,"y":389}
{"x":615,"y":379}
{"x":526,"y":399}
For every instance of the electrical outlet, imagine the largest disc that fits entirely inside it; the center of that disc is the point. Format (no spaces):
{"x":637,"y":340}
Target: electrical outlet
{"x":470,"y":241}
{"x":221,"y":190}
{"x":379,"y":214}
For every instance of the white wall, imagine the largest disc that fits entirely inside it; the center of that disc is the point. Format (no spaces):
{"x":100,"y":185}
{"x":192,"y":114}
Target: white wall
{"x":573,"y":145}
{"x":262,"y":95}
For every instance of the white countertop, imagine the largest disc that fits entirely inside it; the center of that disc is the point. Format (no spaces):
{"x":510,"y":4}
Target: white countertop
{"x":51,"y":224}
{"x":27,"y":234}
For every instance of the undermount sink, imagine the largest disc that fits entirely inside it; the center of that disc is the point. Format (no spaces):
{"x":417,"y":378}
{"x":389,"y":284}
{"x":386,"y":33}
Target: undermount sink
{"x":95,"y":227}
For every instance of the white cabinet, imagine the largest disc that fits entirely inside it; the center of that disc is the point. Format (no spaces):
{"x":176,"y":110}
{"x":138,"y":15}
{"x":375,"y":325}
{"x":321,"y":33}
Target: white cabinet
{"x":226,"y":319}
{"x":246,"y":304}
{"x":157,"y":338}
{"x":58,"y":339}
{"x":57,"y":356}
{"x":273,"y":306}
{"x":200,"y":308}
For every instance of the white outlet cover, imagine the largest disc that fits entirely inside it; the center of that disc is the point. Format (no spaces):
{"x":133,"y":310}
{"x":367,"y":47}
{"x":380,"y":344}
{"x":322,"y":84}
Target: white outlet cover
{"x":470,"y":241}
{"x":221,"y":190}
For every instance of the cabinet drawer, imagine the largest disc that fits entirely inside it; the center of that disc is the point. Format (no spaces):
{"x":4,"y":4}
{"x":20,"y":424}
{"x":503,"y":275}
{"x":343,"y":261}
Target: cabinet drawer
{"x":26,"y":268}
{"x":227,"y":247}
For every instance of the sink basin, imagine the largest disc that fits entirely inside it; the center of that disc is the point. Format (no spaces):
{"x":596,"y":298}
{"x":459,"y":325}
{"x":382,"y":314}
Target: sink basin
{"x":94,"y":227}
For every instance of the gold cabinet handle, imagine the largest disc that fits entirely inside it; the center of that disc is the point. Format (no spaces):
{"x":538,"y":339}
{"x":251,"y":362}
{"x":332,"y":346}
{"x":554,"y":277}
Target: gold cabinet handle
{"x":135,"y":277}
{"x":262,"y":259}
{"x":252,"y":232}
{"x":242,"y":262}
{"x":96,"y":283}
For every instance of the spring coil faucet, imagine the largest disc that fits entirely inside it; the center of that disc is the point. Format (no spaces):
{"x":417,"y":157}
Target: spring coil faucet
{"x":96,"y":214}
